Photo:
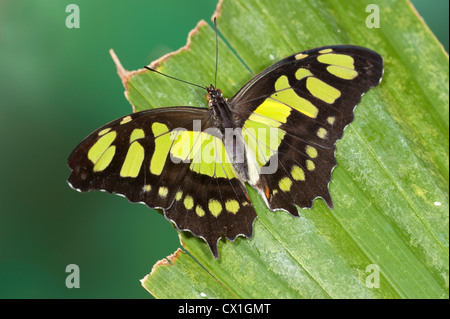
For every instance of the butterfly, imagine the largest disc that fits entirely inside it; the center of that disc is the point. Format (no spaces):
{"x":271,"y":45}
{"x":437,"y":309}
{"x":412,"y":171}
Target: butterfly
{"x":277,"y":133}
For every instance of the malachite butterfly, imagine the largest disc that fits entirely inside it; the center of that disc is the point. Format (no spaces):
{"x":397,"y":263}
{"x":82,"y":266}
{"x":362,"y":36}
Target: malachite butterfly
{"x":277,"y":133}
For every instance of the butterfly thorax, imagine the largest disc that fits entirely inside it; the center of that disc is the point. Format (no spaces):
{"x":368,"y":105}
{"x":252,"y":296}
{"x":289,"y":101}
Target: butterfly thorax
{"x":220,"y":109}
{"x":225,"y":121}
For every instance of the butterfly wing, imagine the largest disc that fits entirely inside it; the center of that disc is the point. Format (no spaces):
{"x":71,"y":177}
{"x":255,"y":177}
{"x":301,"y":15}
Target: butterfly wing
{"x":307,"y":100}
{"x":169,"y":158}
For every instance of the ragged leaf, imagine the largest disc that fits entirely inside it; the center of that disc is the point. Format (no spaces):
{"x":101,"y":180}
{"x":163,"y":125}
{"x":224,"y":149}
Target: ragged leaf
{"x":387,"y":235}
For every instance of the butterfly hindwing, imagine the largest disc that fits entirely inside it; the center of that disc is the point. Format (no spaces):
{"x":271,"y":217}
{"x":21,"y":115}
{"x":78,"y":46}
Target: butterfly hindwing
{"x":307,"y":99}
{"x":167,"y":158}
{"x":221,"y":208}
{"x":303,"y":174}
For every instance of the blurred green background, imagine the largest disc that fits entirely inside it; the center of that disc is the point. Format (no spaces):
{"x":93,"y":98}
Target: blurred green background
{"x":56,"y":86}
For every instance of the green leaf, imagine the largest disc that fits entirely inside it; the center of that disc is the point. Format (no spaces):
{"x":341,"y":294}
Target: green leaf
{"x":391,"y":185}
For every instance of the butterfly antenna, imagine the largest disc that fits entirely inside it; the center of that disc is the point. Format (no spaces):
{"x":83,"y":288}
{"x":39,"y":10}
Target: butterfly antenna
{"x":217,"y":53}
{"x":171,"y":77}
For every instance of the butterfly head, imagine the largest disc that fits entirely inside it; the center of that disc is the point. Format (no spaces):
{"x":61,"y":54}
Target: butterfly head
{"x":214,"y":96}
